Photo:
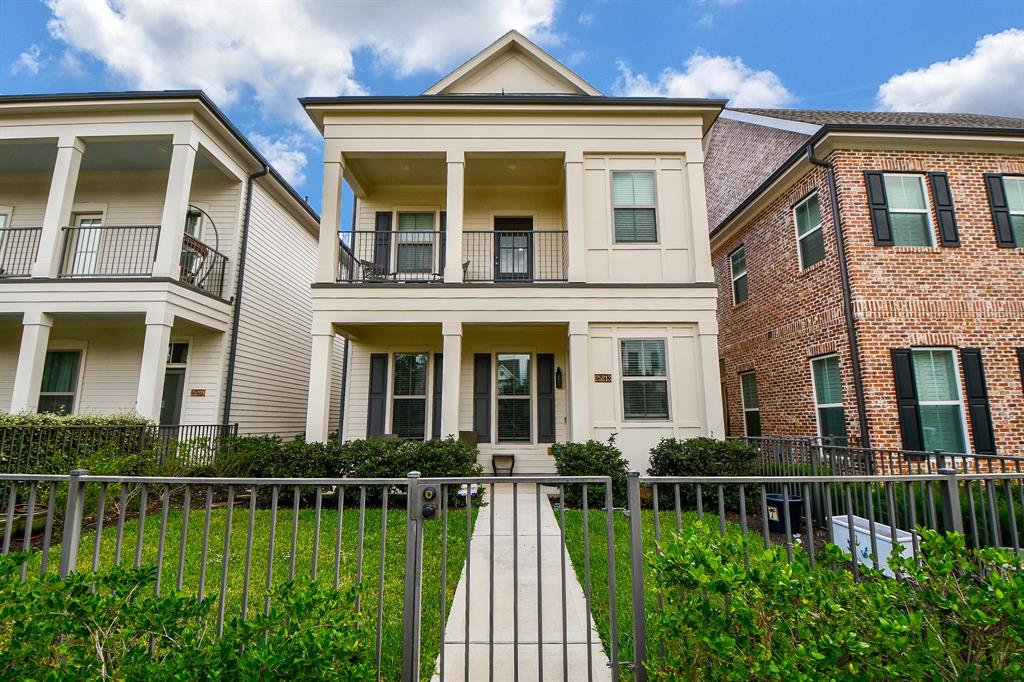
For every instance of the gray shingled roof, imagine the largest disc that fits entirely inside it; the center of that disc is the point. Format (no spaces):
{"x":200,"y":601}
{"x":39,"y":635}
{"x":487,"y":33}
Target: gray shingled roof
{"x":889,"y":118}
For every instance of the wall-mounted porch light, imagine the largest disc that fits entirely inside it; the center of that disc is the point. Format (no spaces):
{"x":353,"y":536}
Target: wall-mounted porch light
{"x":558,"y":377}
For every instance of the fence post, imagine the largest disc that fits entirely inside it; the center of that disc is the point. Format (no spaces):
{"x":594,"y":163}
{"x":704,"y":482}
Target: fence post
{"x":636,"y":557}
{"x":72,"y":522}
{"x":950,"y":494}
{"x":413,"y":580}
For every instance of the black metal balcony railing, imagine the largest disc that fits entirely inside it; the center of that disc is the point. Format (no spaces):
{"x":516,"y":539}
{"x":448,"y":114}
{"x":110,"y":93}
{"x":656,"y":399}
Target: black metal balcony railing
{"x":109,"y":251}
{"x":18,"y":248}
{"x":202,"y":266}
{"x":395,"y":256}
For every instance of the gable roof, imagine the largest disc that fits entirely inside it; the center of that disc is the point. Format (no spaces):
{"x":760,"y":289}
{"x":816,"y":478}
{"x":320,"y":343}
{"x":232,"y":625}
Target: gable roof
{"x":823,"y":117}
{"x":513,"y":55}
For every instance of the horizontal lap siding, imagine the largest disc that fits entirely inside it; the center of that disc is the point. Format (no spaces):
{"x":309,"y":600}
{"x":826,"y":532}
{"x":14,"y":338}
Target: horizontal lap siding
{"x":10,"y":345}
{"x":26,"y":193}
{"x":206,"y":361}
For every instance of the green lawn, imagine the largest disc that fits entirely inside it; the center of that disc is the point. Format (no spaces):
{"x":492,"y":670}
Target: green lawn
{"x":394,"y":563}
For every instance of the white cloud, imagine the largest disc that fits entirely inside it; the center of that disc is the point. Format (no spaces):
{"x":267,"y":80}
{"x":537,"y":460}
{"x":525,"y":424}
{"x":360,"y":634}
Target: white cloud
{"x":586,"y":18}
{"x":282,"y":50}
{"x":708,"y":75}
{"x":989,"y":80}
{"x":285,"y":154}
{"x":29,"y":61}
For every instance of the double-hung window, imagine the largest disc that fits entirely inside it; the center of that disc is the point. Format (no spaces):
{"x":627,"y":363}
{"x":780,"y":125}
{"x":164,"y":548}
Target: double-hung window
{"x":828,"y":398}
{"x":738,"y":270}
{"x":809,"y":237}
{"x":644,"y":379}
{"x":908,"y":210}
{"x":940,"y":403}
{"x":1014,"y":188}
{"x":415,"y":242}
{"x":409,"y":403}
{"x":60,"y":381}
{"x":751,"y":404}
{"x":514,"y":404}
{"x":634,"y":206}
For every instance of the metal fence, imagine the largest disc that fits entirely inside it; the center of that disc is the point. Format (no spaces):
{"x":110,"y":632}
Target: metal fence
{"x":202,"y":266}
{"x":515,"y":256}
{"x":395,"y":255}
{"x":109,"y":250}
{"x":18,"y":249}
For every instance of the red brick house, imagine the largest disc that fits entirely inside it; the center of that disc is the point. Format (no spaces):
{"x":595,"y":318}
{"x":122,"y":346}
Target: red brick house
{"x":899,"y":325}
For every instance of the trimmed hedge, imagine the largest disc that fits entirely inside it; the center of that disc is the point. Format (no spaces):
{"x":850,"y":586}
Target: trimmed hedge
{"x":701,"y":457}
{"x":592,"y":458}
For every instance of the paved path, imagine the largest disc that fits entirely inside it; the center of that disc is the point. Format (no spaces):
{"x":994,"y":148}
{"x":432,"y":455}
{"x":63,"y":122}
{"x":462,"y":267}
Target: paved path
{"x":577,"y":623}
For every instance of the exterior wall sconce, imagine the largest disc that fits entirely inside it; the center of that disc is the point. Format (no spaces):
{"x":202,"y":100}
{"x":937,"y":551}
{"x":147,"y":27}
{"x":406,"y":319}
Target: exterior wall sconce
{"x":558,"y":377}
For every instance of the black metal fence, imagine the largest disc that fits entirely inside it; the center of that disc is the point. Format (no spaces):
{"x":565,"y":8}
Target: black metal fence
{"x":395,"y":255}
{"x":109,"y":250}
{"x":515,"y":256}
{"x":202,"y":266}
{"x":18,"y":249}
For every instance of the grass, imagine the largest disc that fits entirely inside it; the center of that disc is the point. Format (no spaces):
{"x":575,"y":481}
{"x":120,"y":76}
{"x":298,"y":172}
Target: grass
{"x":391,"y":598}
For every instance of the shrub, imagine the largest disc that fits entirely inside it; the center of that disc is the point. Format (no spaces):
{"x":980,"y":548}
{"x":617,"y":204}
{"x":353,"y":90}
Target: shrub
{"x":592,"y":459}
{"x":701,"y":457}
{"x":777,"y":620}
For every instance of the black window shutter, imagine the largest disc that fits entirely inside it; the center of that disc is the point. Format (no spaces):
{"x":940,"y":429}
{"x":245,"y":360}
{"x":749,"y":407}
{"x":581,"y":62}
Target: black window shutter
{"x":376,"y":407}
{"x":443,"y":241}
{"x":382,"y":241}
{"x":482,"y":397}
{"x":1020,"y":359}
{"x":438,"y":382}
{"x":906,"y":399}
{"x":944,"y":209}
{"x":879,"y":207}
{"x":545,"y":398}
{"x":977,"y":402}
{"x":1000,"y":210}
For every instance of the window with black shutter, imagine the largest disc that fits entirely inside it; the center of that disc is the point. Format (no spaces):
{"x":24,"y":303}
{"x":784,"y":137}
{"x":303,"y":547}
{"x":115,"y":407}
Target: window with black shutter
{"x":1006,"y":199}
{"x":977,"y":401}
{"x":409,"y":396}
{"x":944,"y":209}
{"x":436,"y":407}
{"x":482,"y":397}
{"x":545,"y":398}
{"x":376,"y":406}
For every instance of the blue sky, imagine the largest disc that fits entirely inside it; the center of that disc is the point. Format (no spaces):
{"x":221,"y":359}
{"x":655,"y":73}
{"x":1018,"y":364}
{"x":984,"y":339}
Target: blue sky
{"x":255,"y":58}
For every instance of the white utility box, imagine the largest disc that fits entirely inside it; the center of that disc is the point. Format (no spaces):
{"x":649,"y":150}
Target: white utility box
{"x":884,"y":540}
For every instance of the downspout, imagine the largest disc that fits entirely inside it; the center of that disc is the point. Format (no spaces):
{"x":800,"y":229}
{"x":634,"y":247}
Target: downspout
{"x":844,"y":275}
{"x":237,"y":312}
{"x":344,"y":350}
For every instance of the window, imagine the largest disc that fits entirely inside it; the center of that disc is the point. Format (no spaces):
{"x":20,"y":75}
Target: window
{"x":751,"y":405}
{"x":809,"y":237}
{"x":644,"y":379}
{"x":415,"y":242}
{"x":87,"y":244}
{"x":409,"y":404}
{"x":177,"y":353}
{"x":828,"y":398}
{"x":633,"y":204}
{"x":939,"y":402}
{"x":738,"y":265}
{"x":908,"y":210}
{"x":60,"y":381}
{"x":514,"y":397}
{"x":1014,"y":188}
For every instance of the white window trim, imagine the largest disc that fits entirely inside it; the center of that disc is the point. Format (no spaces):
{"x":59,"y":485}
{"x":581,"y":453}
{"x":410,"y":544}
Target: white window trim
{"x":1012,"y":212}
{"x":959,"y":390}
{"x":8,"y":213}
{"x":187,"y":366}
{"x":623,"y":378}
{"x":927,"y":210}
{"x":435,"y":242}
{"x":611,"y":196}
{"x":814,"y":388}
{"x":796,"y":228}
{"x":735,"y":277}
{"x":81,"y":347}
{"x":532,"y":397}
{"x":427,"y":413}
{"x":743,"y":401}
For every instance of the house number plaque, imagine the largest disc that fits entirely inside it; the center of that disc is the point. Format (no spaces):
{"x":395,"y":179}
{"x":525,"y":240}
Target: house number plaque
{"x":197,"y":393}
{"x":602,"y":378}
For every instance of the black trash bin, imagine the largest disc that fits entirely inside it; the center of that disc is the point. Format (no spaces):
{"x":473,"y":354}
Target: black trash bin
{"x":776,"y":520}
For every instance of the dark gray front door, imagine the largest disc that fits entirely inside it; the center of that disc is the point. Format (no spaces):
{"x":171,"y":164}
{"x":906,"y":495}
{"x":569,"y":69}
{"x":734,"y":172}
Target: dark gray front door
{"x":174,"y":391}
{"x":513,"y":249}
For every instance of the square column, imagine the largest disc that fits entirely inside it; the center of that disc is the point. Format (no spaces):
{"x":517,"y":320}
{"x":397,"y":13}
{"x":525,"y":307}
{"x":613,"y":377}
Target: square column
{"x":574,"y":225}
{"x":318,"y":405}
{"x":702,"y":268}
{"x":28,"y":377}
{"x":579,"y":382}
{"x":450,"y":379}
{"x":154,"y":364}
{"x":456,"y":162}
{"x":707,"y":338}
{"x":58,"y":206}
{"x":172,"y":220}
{"x":327,"y":261}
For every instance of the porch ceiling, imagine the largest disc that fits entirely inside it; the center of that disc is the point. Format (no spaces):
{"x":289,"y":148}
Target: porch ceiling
{"x":106,"y":155}
{"x":372,"y":171}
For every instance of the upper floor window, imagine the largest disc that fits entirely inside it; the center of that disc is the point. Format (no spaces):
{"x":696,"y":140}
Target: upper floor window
{"x":644,"y":379}
{"x":751,"y":405}
{"x":633,"y":203}
{"x":828,"y":398}
{"x":738,"y":269}
{"x":415,"y":242}
{"x":809,"y":237}
{"x":908,"y":210}
{"x":1014,"y":188}
{"x":409,"y":392}
{"x":60,"y":381}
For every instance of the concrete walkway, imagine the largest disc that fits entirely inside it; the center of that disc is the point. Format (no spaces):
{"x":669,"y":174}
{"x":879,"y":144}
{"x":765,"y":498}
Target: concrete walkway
{"x":551,"y":553}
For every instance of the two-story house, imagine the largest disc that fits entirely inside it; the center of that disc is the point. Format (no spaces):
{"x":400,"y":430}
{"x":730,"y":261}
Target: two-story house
{"x":871,"y":276}
{"x":151,"y":261}
{"x":529,"y":263}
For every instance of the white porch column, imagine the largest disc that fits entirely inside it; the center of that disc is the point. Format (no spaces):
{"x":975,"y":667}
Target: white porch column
{"x":318,"y":405}
{"x":154,"y":363}
{"x":579,"y":381}
{"x":35,"y":337}
{"x":450,"y":379}
{"x":577,"y":238}
{"x":702,"y":268}
{"x":454,"y":206}
{"x":58,"y":206}
{"x":172,"y":220}
{"x":327,"y":263}
{"x":714,"y":420}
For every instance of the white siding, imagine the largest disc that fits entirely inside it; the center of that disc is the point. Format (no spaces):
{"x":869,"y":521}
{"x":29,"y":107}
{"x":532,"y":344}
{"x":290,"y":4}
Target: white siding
{"x":10,"y":346}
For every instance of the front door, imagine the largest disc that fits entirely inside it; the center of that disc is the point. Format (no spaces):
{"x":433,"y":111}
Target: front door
{"x":87,"y":244}
{"x":174,"y":390}
{"x":513,"y":249}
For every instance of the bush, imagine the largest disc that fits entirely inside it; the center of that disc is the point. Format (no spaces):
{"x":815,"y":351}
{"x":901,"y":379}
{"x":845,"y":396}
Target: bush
{"x":111,"y":626}
{"x":776,"y":620}
{"x":592,"y":459}
{"x":701,"y":457}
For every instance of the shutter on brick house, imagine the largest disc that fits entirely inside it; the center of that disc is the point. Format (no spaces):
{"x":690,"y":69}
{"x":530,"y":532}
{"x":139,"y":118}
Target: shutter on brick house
{"x":482,"y":397}
{"x":382,"y":241}
{"x":1020,"y":360}
{"x":438,"y":382}
{"x":906,"y":399}
{"x":1000,"y":210}
{"x":377,"y":405}
{"x":545,"y":398}
{"x":977,"y":402}
{"x":944,"y":209}
{"x":879,"y":208}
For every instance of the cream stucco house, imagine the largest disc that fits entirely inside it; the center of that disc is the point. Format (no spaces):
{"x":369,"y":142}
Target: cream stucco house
{"x":529,"y":263}
{"x":149,"y":260}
